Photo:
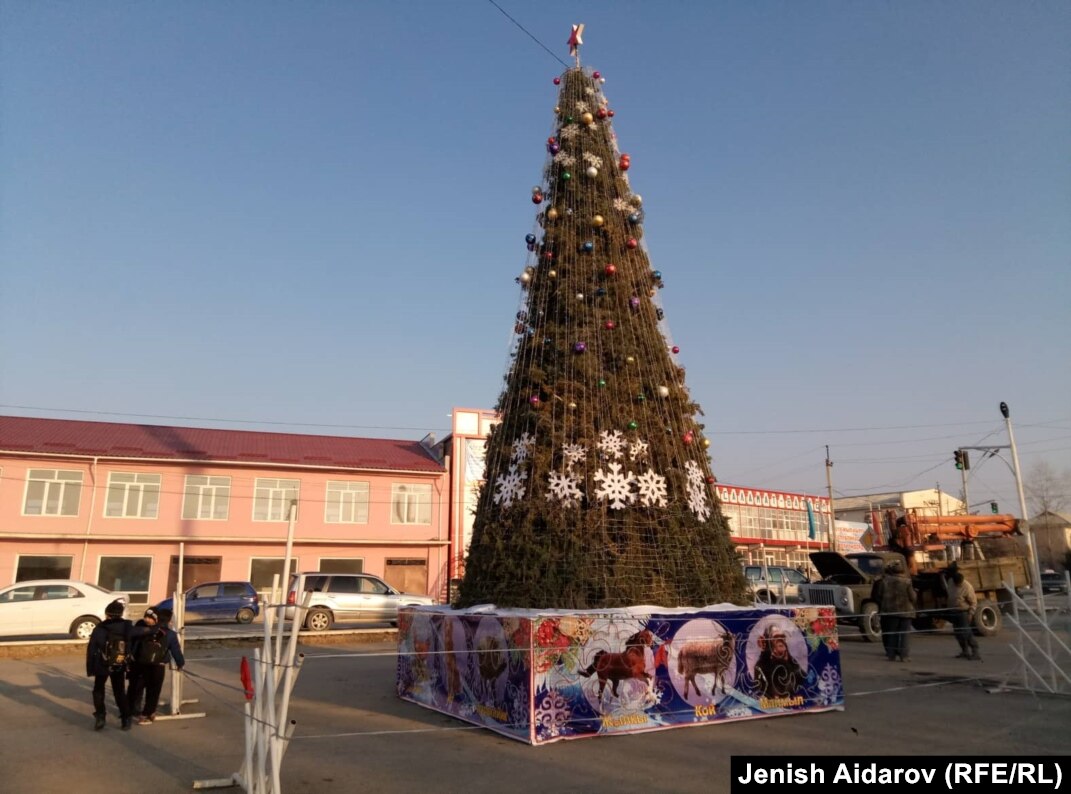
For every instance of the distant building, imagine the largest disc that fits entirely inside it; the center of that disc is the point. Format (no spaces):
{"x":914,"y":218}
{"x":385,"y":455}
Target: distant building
{"x":115,"y":503}
{"x":1052,"y":539}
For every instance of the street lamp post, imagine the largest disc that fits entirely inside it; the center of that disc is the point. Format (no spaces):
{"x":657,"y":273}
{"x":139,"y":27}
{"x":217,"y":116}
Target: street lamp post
{"x":1035,"y":571}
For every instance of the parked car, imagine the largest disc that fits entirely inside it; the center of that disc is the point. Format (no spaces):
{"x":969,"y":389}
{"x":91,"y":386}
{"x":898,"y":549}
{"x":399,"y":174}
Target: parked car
{"x":219,"y":601}
{"x":53,"y":606}
{"x":777,"y":583}
{"x":1053,"y":583}
{"x":347,"y":597}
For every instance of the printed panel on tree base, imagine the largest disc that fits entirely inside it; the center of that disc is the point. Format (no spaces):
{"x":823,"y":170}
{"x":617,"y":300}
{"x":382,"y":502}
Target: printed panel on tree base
{"x":541,"y":676}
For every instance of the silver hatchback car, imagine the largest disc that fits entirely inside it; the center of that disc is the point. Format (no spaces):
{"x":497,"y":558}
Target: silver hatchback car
{"x":347,"y":597}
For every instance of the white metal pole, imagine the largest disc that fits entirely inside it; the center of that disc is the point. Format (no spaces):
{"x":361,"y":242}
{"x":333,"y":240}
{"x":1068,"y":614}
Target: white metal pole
{"x":292,"y":520}
{"x":1035,"y":571}
{"x":832,"y":514}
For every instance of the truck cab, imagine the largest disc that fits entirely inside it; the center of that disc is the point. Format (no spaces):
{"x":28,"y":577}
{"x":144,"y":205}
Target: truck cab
{"x":846,"y":584}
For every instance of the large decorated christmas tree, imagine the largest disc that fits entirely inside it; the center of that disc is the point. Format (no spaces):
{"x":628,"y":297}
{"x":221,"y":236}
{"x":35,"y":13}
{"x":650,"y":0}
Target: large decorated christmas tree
{"x":599,"y":491}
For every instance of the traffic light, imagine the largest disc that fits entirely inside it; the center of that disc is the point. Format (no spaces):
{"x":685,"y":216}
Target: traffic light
{"x":993,"y":508}
{"x":959,"y":459}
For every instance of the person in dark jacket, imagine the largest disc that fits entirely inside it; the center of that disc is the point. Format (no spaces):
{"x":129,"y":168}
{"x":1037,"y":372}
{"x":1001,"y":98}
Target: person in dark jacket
{"x":151,"y":655}
{"x":106,"y":659}
{"x":141,"y":659}
{"x":897,"y":606}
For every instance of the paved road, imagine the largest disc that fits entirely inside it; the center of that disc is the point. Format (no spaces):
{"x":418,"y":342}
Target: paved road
{"x":353,"y":734}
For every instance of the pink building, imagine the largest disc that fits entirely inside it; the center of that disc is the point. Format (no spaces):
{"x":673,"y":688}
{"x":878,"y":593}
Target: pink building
{"x":116,"y":504}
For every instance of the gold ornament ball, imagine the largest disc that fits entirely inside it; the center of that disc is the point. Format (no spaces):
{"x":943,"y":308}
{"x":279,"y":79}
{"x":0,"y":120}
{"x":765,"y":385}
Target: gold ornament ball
{"x":706,"y":443}
{"x":552,"y":274}
{"x":630,"y":360}
{"x":552,"y":214}
{"x":598,"y":220}
{"x":663,"y":391}
{"x":636,"y":199}
{"x":587,"y":118}
{"x":572,"y":406}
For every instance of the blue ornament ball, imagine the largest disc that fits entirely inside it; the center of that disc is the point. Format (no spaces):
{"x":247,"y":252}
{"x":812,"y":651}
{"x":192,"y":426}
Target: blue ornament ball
{"x":589,"y":246}
{"x":530,"y":239}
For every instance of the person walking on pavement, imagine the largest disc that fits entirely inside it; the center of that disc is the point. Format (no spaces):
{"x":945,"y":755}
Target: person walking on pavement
{"x":962,"y":602}
{"x":151,"y":655}
{"x":106,"y":658}
{"x":897,"y":607}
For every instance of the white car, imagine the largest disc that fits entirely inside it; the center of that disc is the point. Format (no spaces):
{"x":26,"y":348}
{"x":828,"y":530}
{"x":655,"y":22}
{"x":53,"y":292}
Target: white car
{"x":347,"y":597}
{"x":53,"y":606}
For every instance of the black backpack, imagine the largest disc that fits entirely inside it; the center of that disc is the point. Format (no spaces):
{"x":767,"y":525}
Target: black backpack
{"x":115,"y":651}
{"x":152,"y":649}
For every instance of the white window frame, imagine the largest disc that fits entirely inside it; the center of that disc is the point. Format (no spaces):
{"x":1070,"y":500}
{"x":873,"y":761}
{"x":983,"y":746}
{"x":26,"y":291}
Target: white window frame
{"x":214,"y":491}
{"x":276,"y":494}
{"x":52,"y":482}
{"x":20,"y":557}
{"x":344,"y":498}
{"x":406,"y":501}
{"x":134,"y":492}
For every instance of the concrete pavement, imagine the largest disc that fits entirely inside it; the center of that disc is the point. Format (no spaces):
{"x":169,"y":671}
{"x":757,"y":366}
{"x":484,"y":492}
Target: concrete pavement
{"x":353,"y":734}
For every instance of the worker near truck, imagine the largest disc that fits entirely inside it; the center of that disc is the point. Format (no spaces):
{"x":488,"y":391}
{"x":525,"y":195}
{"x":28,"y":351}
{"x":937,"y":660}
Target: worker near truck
{"x":897,"y":602}
{"x":962,"y":602}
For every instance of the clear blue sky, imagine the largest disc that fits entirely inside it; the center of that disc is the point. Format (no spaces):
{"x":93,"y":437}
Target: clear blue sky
{"x":309,"y":217}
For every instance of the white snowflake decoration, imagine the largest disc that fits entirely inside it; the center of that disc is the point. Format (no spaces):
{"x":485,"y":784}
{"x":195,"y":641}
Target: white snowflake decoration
{"x":593,"y":159}
{"x":637,"y":450}
{"x":612,"y":443}
{"x":570,"y":131}
{"x":695,"y":474}
{"x":697,"y":501}
{"x":616,"y":486}
{"x":621,"y":205}
{"x":521,"y":447}
{"x":564,"y":487}
{"x":564,"y":158}
{"x":581,"y":106}
{"x":510,"y":487}
{"x":589,"y":90}
{"x":573,"y":454}
{"x":652,"y":489}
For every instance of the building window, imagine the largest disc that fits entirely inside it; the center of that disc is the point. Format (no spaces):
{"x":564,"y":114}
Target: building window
{"x":43,"y":566}
{"x":132,"y":495}
{"x":127,"y":574}
{"x":206,"y":498}
{"x":341,"y":565}
{"x":52,"y":492}
{"x":263,"y":570}
{"x":410,"y":504}
{"x":346,"y":502}
{"x":272,"y":498}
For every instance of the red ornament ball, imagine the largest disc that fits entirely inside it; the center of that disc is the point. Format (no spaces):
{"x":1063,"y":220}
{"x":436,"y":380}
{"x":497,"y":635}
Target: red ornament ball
{"x":610,"y":269}
{"x":534,"y":399}
{"x":610,"y":325}
{"x":537,"y":198}
{"x":610,"y":113}
{"x":551,"y":140}
{"x":601,"y":113}
{"x":548,"y":254}
{"x":712,"y":480}
{"x":632,"y":242}
{"x":688,"y":438}
{"x":596,"y":75}
{"x":676,"y":349}
{"x":557,"y":81}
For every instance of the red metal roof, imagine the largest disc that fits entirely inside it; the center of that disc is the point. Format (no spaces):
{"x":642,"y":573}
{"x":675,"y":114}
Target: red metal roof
{"x":158,"y":442}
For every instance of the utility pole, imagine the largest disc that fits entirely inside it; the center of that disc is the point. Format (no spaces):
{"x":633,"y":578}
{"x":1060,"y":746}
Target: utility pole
{"x":1035,"y":571}
{"x":832,"y":519}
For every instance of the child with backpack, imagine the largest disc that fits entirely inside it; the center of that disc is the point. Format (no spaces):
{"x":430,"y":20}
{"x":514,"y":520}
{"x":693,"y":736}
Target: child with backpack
{"x":151,"y":653}
{"x":106,"y":658}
